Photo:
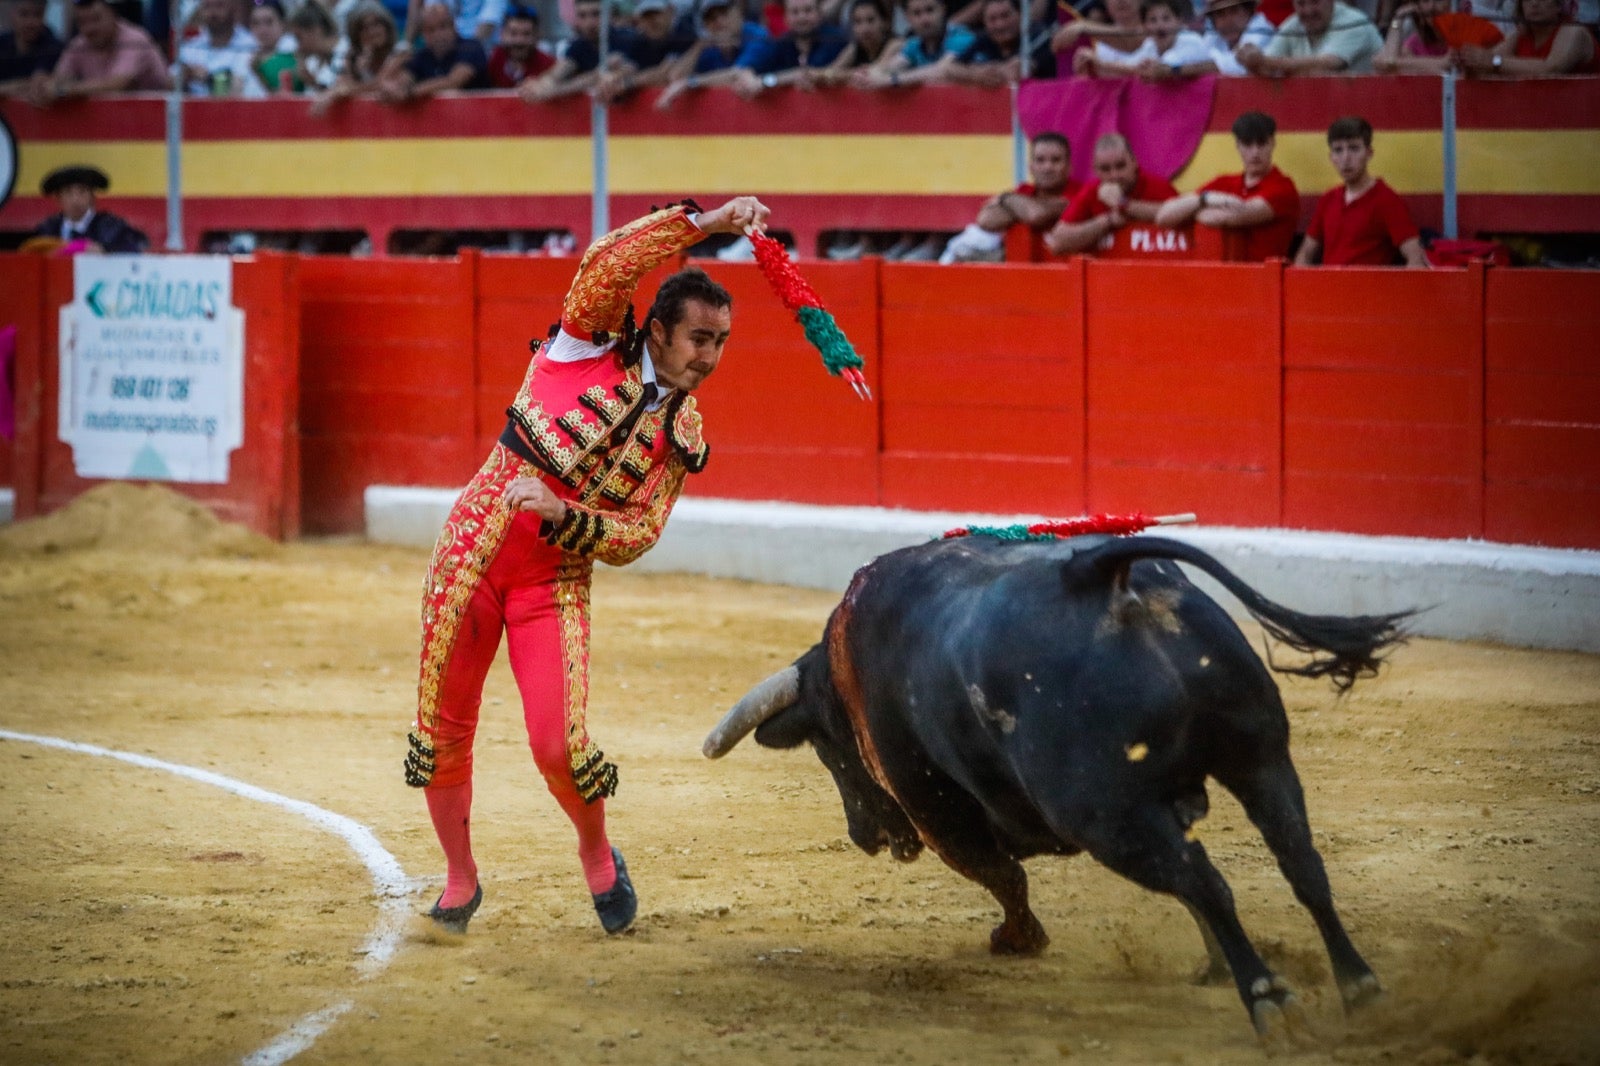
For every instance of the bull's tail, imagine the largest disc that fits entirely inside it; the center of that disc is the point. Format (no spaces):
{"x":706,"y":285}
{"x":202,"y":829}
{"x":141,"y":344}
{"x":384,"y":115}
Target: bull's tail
{"x":1342,"y":648}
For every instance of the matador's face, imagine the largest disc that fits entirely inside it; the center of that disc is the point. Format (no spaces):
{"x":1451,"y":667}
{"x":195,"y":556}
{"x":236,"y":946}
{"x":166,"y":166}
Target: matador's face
{"x":686,"y":357}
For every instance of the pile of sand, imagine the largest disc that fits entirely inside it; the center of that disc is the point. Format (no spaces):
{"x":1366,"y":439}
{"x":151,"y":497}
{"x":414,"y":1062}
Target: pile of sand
{"x":146,"y":519}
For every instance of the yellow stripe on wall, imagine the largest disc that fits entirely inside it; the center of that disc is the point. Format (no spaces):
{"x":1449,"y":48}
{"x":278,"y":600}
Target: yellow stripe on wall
{"x":1526,"y":162}
{"x":952,"y":165}
{"x":136,"y":168}
{"x":1517,"y":162}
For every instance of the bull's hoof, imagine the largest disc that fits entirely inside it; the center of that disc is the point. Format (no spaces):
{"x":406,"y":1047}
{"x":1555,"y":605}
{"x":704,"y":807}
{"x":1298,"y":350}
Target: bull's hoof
{"x":1358,"y":992}
{"x":1280,"y":1022}
{"x":1024,"y":938}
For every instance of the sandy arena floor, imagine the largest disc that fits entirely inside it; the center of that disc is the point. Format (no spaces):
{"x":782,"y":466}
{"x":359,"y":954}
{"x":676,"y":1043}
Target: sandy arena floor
{"x":154,"y":919}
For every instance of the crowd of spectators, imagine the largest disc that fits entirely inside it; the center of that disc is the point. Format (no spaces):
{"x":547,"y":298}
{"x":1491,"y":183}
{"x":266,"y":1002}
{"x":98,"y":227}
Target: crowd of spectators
{"x":402,"y":50}
{"x":1126,"y":210}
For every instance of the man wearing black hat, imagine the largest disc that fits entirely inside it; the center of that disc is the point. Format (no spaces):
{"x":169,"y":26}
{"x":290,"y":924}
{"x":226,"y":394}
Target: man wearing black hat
{"x":75,"y":188}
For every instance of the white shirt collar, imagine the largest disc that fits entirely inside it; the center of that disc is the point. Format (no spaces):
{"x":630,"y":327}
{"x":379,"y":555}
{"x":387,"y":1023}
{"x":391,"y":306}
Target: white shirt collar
{"x":647,"y":373}
{"x":69,"y":228}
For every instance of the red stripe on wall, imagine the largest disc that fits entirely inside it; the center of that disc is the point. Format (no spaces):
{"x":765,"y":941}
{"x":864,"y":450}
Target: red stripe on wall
{"x":1544,"y":104}
{"x":483,"y":114}
{"x":134,"y":117}
{"x":1312,"y":103}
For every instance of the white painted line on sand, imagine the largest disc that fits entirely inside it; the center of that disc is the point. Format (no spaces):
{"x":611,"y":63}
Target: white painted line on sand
{"x":387,"y":878}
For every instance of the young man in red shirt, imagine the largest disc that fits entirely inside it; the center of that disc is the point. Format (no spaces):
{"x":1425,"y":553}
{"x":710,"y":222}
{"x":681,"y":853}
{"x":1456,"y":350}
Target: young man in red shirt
{"x":1034,"y":205}
{"x":1115,"y":214}
{"x":518,"y":58}
{"x":1260,"y":204}
{"x":1362,"y":222}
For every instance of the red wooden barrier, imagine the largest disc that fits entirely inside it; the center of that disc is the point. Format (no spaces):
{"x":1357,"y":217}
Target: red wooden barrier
{"x":1183,"y":390}
{"x":263,"y":490}
{"x":781,"y":427}
{"x":982,"y":400}
{"x":1542,"y":405}
{"x":22,"y":305}
{"x":518,"y":299}
{"x":1383,"y":401}
{"x":1446,"y":403}
{"x":387,"y":380}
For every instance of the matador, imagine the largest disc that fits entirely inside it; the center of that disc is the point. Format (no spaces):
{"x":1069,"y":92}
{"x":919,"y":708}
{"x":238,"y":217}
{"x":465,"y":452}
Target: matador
{"x":598,"y":442}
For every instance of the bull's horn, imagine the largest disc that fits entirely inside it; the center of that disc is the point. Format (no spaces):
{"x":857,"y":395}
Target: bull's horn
{"x":762,"y":702}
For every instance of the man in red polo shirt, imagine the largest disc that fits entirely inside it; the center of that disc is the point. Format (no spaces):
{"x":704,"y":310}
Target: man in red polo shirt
{"x":1033,"y":206}
{"x":1115,"y":214}
{"x":1362,"y":222}
{"x":1261,"y":204}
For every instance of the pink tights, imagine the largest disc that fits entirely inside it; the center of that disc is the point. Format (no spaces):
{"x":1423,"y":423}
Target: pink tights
{"x":516,"y":596}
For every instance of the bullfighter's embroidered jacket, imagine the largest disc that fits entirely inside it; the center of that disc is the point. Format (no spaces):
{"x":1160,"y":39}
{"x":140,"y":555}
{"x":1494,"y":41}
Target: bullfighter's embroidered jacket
{"x":586,"y":424}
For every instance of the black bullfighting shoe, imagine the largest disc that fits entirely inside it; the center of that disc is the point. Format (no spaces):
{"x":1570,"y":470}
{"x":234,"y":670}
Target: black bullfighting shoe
{"x":455,"y":919}
{"x":618,"y":904}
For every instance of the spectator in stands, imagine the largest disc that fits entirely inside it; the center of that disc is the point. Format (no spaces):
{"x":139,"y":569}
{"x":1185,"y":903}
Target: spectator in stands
{"x":1168,"y":50}
{"x":931,"y":47}
{"x":995,"y":57}
{"x":446,"y":62}
{"x":518,"y":56}
{"x":652,"y":55}
{"x":1115,"y":41}
{"x":1543,"y":43}
{"x":1035,"y":205}
{"x":274,"y":62}
{"x":1321,"y":37}
{"x":872,"y":43}
{"x":725,"y":38}
{"x":478,"y":20}
{"x":1413,"y":43}
{"x":217,"y":60}
{"x":74,"y":188}
{"x":317,"y":59}
{"x":1233,"y":24}
{"x":28,"y":50}
{"x":374,"y":56}
{"x":577,"y":64}
{"x":1261,"y":203}
{"x":1362,"y":221}
{"x":1121,"y":193}
{"x":794,"y":58}
{"x":108,"y":55}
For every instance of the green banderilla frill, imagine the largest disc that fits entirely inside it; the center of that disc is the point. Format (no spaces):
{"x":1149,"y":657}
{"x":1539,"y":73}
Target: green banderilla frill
{"x":826,"y":336}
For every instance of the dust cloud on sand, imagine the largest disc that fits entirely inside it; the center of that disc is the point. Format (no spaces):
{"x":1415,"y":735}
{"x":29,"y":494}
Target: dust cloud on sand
{"x":151,"y":919}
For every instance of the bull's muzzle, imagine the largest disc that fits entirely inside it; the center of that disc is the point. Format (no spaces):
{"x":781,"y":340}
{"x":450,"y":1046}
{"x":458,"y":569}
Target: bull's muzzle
{"x":775,"y":694}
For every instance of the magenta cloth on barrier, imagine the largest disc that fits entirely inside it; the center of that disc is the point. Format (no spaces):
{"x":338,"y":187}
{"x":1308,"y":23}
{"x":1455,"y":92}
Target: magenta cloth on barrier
{"x":1163,"y":121}
{"x":8,"y":388}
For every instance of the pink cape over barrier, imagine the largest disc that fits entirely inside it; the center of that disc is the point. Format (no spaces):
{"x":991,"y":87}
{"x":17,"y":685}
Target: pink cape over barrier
{"x":1163,"y":121}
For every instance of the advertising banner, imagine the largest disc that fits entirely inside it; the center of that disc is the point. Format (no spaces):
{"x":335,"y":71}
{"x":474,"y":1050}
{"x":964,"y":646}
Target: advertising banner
{"x":152,"y":368}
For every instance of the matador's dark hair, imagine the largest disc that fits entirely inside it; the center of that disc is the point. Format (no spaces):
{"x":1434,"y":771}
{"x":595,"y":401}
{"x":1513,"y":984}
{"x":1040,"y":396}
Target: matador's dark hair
{"x":690,"y":283}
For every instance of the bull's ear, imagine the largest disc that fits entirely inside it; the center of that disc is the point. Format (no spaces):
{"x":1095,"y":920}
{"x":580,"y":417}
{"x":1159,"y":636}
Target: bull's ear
{"x":788,"y":728}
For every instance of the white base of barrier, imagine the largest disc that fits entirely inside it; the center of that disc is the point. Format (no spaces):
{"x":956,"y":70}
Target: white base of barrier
{"x":1473,"y":590}
{"x":8,"y":504}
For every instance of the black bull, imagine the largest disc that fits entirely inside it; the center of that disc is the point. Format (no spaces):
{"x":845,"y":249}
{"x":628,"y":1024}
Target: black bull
{"x":995,"y":700}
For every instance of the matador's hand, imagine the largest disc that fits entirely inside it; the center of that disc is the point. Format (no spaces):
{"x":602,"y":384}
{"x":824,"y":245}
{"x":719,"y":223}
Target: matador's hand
{"x":742,"y":214}
{"x":531,"y":494}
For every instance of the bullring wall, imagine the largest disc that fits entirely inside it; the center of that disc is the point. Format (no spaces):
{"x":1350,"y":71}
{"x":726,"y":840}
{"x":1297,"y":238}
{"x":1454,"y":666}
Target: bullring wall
{"x":1456,"y":403}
